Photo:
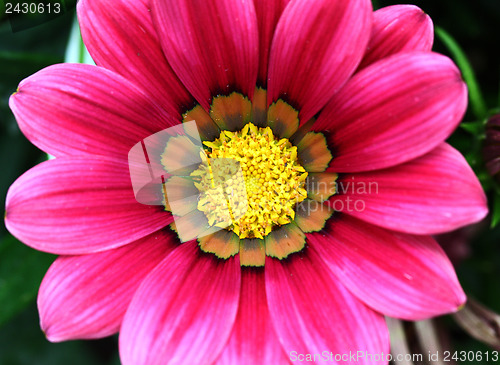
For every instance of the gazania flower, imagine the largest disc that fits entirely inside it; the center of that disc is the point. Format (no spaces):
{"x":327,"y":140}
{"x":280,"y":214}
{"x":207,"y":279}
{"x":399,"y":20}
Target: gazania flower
{"x":337,"y":116}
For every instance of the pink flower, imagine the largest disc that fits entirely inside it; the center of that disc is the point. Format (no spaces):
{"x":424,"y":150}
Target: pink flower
{"x":380,"y":105}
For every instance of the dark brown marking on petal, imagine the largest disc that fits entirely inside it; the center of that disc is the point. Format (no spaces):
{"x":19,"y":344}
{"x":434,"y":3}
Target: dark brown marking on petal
{"x":321,"y":186}
{"x":285,"y":240}
{"x":302,"y":131}
{"x":259,"y":108}
{"x":313,"y":152}
{"x":283,"y":119}
{"x":252,"y":252}
{"x":207,"y":128}
{"x":223,"y":244}
{"x":311,"y":216}
{"x":192,"y":226}
{"x":181,"y":156}
{"x":231,"y":112}
{"x":181,"y":194}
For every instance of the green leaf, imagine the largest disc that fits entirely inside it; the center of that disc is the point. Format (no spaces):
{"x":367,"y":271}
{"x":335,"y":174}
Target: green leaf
{"x":475,"y":128}
{"x":76,"y":51}
{"x":495,"y":213}
{"x":21,"y":272}
{"x":476,"y":98}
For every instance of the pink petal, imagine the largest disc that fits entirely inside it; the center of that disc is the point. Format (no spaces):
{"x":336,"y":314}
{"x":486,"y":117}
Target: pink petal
{"x":398,"y":28}
{"x":313,"y":312}
{"x":212,"y":45}
{"x":393,"y":111}
{"x":74,"y":205}
{"x":87,"y":296}
{"x":435,"y":193}
{"x":125,"y":41}
{"x":268,"y":14}
{"x":316,"y":47}
{"x":184,"y":310}
{"x":74,"y":109}
{"x":399,"y":275}
{"x":253,"y":339}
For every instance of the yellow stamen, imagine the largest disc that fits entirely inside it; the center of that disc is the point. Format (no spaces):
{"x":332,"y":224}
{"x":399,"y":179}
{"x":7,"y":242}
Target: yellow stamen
{"x":250,"y":182}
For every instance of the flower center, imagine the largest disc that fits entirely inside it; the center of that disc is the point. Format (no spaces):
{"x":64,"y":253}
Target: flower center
{"x":250,"y":181}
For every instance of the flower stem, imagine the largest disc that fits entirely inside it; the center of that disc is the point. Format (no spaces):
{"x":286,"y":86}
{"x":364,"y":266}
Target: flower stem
{"x":476,"y":98}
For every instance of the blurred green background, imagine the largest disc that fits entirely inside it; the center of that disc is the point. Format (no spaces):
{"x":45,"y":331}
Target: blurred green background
{"x":475,"y":25}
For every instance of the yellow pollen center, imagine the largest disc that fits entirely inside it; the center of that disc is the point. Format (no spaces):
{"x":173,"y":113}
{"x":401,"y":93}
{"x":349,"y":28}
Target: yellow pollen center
{"x":250,"y":181}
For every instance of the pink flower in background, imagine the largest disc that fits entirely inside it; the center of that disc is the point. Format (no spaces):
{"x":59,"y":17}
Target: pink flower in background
{"x":353,"y":99}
